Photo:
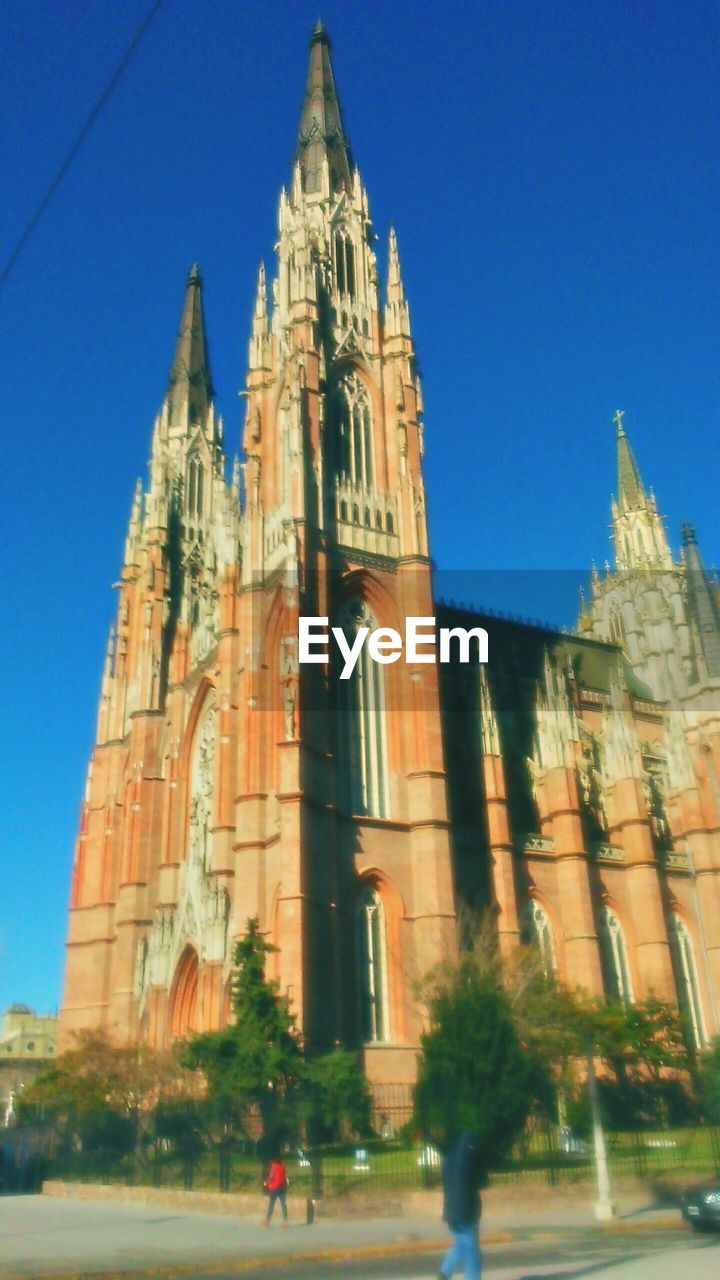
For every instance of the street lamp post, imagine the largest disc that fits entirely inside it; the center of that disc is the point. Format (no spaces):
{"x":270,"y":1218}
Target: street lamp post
{"x":604,"y":1207}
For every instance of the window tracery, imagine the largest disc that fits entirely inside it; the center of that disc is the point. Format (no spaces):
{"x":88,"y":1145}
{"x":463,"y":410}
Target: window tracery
{"x":372,"y":965}
{"x":362,"y":750}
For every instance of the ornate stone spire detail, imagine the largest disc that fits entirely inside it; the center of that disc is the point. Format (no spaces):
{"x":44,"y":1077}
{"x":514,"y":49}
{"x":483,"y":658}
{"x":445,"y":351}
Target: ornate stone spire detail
{"x":556,"y":731}
{"x":190,"y":389}
{"x":321,"y":138}
{"x":132,"y":541}
{"x":397,"y":312}
{"x":488,"y":720}
{"x":630,"y":487}
{"x":679,"y":766}
{"x":621,"y":757}
{"x":638,"y":531}
{"x":259,"y":354}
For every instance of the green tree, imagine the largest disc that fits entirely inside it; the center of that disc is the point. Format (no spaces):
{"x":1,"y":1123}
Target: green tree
{"x":473,"y":1072}
{"x":709,"y":1083}
{"x":258,"y":1056}
{"x":96,"y":1095}
{"x":334,"y":1096}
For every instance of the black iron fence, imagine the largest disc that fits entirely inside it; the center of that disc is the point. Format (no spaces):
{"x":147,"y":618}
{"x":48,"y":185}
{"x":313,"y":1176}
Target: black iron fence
{"x":187,"y":1143}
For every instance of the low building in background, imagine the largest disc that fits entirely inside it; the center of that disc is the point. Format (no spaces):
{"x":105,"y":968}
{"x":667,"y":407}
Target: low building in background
{"x":28,"y":1041}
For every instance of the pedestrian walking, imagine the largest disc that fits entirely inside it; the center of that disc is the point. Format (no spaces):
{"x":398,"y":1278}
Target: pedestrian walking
{"x":276,"y":1184}
{"x":463,"y":1175}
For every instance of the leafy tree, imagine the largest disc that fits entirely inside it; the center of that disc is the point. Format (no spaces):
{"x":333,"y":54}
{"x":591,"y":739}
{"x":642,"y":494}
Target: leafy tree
{"x":93,"y":1074}
{"x":258,"y":1056}
{"x":709,"y":1083}
{"x":473,"y":1072}
{"x":334,"y":1095}
{"x":96,"y":1095}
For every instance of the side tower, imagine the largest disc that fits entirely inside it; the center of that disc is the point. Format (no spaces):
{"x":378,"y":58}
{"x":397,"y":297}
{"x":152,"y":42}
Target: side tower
{"x":342,"y":834}
{"x":149,"y":910}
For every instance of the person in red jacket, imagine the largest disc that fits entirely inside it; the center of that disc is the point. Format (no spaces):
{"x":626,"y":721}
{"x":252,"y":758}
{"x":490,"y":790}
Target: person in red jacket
{"x":276,"y":1185}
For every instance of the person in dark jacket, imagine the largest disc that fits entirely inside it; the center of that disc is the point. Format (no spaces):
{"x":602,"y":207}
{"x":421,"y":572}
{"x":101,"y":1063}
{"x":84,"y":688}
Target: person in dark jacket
{"x":463,"y":1175}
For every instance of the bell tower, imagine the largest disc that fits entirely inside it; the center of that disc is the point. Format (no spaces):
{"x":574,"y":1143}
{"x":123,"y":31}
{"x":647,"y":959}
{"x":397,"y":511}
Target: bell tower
{"x":343,"y":823}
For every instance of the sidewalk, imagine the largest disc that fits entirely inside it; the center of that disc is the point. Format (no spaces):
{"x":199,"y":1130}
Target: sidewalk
{"x":41,"y":1235}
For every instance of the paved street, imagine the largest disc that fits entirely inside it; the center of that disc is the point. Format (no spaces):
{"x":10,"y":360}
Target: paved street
{"x":46,"y":1237}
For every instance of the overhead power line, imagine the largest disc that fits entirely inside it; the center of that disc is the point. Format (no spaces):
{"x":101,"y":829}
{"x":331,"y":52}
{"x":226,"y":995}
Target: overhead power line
{"x":79,"y":140}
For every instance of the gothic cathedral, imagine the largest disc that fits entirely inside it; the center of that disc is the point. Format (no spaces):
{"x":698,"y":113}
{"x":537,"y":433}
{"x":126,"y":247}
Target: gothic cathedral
{"x":572,"y":786}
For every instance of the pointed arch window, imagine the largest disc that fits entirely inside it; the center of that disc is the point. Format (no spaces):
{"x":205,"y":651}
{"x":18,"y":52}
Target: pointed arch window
{"x":344,"y":264}
{"x":371,"y":939}
{"x":195,"y":478}
{"x":614,"y":958}
{"x":537,"y":932}
{"x":362,"y":750}
{"x":686,"y":978}
{"x":617,"y":629}
{"x":352,"y":445}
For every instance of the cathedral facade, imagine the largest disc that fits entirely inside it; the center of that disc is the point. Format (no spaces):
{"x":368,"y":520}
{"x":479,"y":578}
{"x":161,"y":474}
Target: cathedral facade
{"x":572,"y":786}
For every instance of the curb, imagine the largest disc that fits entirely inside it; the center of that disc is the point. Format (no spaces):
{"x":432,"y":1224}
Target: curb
{"x":397,"y":1249}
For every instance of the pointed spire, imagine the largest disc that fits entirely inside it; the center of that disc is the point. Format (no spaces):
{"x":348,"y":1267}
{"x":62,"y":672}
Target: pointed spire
{"x":190,"y":384}
{"x":260,"y":320}
{"x":702,"y":607}
{"x":630,"y":486}
{"x":397,"y":311}
{"x":395,"y":290}
{"x":133,"y":533}
{"x":488,"y":720}
{"x":321,"y":133}
{"x":259,"y":348}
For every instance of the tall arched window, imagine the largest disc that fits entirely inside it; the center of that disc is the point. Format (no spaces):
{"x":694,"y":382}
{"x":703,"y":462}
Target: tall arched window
{"x":195,"y":487}
{"x":617,"y":629}
{"x":537,"y":932}
{"x":688,"y":988}
{"x":344,"y":265}
{"x":372,"y":965}
{"x":352,"y":436}
{"x":614,"y":958}
{"x":362,"y":753}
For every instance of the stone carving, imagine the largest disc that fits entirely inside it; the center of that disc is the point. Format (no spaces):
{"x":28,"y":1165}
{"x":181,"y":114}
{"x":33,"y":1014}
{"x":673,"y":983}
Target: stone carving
{"x":679,"y":771}
{"x":556,"y":729}
{"x":621,"y":757}
{"x":654,"y":793}
{"x":289,"y":712}
{"x":488,"y":719}
{"x":202,"y":913}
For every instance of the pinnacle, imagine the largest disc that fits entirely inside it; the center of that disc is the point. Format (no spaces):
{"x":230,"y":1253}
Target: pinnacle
{"x":321,"y":137}
{"x":190,"y":382}
{"x":688,"y":534}
{"x":630,"y":486}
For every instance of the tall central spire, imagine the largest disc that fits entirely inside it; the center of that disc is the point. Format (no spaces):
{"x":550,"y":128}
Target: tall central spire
{"x":321,"y":131}
{"x":190,"y":382}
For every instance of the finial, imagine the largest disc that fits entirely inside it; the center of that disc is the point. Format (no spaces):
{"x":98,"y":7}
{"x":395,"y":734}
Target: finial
{"x":261,"y":294}
{"x":319,"y":35}
{"x":618,"y":420}
{"x":688,"y":534}
{"x":194,"y":276}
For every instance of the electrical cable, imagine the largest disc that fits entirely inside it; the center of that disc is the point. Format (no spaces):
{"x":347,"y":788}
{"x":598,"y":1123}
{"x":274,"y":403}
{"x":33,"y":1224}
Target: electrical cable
{"x":80,"y":139}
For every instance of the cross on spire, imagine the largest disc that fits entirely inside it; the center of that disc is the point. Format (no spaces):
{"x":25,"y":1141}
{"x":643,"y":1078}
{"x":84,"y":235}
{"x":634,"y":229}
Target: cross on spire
{"x":618,"y":419}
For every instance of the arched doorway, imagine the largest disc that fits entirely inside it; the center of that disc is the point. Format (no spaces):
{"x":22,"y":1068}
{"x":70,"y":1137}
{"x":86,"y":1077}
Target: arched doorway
{"x":184,"y":1015}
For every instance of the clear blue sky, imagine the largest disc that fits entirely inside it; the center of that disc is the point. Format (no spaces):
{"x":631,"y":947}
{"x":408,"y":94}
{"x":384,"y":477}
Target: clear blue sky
{"x":552,"y":172}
